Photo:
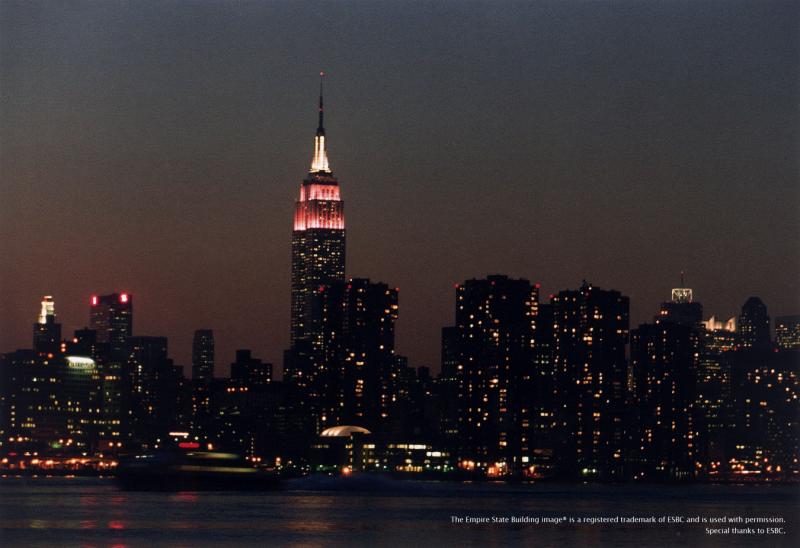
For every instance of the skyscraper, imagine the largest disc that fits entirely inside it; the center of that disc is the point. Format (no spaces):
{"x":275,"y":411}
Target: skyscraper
{"x":356,"y":383}
{"x":202,"y":377}
{"x":681,"y":308}
{"x":203,"y":356}
{"x":665,"y":360}
{"x":112,"y":317}
{"x":590,"y":331}
{"x":490,"y":351}
{"x":754,"y":325}
{"x":46,"y":332}
{"x":318,"y":257}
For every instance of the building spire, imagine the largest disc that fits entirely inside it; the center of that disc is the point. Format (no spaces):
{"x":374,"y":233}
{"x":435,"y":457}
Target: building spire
{"x":321,"y":128}
{"x":682,"y":294}
{"x":320,"y":162}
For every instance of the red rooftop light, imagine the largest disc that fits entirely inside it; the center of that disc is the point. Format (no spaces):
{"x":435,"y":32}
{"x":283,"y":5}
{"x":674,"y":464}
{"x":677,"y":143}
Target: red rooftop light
{"x":94,"y":300}
{"x":123,"y":298}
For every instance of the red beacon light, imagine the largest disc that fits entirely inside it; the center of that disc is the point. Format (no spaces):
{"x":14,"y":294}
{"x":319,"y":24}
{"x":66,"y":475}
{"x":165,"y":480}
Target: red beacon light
{"x":94,"y":300}
{"x":123,"y":298}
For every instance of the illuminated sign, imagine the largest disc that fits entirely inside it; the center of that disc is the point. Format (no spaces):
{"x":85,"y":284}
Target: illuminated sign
{"x":189,"y":445}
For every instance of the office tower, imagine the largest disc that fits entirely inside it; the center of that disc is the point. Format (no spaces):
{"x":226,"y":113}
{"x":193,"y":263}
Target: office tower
{"x":318,"y":258}
{"x":666,"y":419}
{"x":112,"y":317}
{"x":754,"y":325}
{"x":787,"y":332}
{"x":681,"y":308}
{"x":542,"y":411}
{"x":490,"y":350}
{"x":447,"y":389}
{"x":202,"y":377}
{"x":203,"y":356}
{"x":590,"y":331}
{"x":356,"y":381}
{"x":31,"y":387}
{"x":109,"y":391}
{"x":148,"y":378}
{"x":81,"y":401}
{"x":46,"y":332}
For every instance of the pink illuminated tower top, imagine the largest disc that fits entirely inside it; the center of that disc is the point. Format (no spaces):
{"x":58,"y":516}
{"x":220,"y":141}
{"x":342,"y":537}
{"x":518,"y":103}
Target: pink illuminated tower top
{"x":319,"y":205}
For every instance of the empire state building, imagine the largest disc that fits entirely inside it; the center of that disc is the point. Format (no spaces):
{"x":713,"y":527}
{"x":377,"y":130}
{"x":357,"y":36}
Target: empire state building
{"x":318,"y":254}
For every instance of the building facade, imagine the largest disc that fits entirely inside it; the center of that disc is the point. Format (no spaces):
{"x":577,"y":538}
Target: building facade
{"x":590,"y":333}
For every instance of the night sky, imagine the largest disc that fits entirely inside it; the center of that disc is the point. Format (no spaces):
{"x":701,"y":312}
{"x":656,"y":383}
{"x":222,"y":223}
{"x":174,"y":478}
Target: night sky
{"x":158,"y":148}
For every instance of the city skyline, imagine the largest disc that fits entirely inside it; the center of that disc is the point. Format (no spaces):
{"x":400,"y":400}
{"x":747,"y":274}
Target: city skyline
{"x":664,"y":167}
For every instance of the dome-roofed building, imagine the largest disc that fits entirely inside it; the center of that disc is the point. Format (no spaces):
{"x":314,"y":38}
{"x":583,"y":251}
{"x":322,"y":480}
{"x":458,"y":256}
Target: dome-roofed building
{"x":343,"y":447}
{"x":343,"y":431}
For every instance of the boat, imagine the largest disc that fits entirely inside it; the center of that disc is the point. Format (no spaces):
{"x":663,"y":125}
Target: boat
{"x":175,"y":470}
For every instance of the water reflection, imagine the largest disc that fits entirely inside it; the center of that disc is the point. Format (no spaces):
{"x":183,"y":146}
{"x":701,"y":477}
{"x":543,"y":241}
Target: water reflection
{"x":185,"y":496}
{"x":421,"y":515}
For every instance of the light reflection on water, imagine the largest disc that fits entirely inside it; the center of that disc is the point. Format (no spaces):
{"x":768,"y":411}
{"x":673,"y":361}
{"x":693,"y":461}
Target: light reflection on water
{"x":93,"y":512}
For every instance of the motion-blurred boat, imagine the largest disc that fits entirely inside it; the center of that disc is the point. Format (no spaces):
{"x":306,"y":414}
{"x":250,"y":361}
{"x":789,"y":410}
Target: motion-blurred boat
{"x":175,"y":470}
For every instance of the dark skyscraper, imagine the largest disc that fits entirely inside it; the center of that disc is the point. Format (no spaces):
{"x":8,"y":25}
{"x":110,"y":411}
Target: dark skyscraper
{"x":590,"y":331}
{"x":202,"y":377}
{"x":112,"y":317}
{"x":665,"y":362}
{"x":318,"y":257}
{"x":754,"y":325}
{"x":203,"y":356}
{"x":152,"y":383}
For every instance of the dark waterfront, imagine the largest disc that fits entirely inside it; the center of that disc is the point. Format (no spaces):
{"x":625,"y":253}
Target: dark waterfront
{"x":93,"y":512}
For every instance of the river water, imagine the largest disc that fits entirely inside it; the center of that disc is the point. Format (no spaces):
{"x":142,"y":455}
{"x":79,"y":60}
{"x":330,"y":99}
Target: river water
{"x":86,"y":512}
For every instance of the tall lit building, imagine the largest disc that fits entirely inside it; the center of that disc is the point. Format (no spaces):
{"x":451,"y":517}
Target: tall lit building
{"x":590,"y":331}
{"x":489,"y":355}
{"x":681,"y":308}
{"x":203,"y":355}
{"x":202,"y":377}
{"x":46,"y":332}
{"x":665,"y":363}
{"x":112,"y":317}
{"x":357,"y":380}
{"x":318,"y":258}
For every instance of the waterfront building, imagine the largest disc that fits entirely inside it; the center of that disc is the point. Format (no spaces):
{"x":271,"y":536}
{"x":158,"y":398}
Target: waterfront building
{"x":590,"y":333}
